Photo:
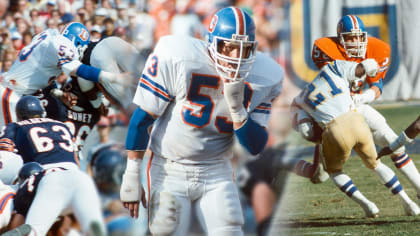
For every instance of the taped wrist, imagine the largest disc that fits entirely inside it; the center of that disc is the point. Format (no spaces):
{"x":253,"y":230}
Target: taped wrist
{"x":402,"y":140}
{"x":239,"y":115}
{"x":133,"y":165}
{"x":252,"y":136}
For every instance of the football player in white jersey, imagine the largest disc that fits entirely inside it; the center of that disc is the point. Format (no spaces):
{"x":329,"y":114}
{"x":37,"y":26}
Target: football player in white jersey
{"x":199,"y":96}
{"x":115,"y":55}
{"x":49,"y":54}
{"x":327,"y":100}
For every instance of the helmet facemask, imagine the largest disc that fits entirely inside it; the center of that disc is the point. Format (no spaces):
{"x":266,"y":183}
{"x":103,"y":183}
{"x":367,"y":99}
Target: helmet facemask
{"x":354,"y":43}
{"x":231,"y":67}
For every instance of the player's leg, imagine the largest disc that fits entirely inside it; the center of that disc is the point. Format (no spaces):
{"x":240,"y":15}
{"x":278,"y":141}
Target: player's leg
{"x":337,"y":141}
{"x":86,"y":203}
{"x":8,"y":105}
{"x":169,"y":206}
{"x":366,"y":150}
{"x":383,"y":135}
{"x":224,"y":218}
{"x":254,"y":180}
{"x":52,"y":196}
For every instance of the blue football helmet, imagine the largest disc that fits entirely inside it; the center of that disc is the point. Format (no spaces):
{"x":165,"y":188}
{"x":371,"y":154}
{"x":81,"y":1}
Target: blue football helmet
{"x":232,"y":28}
{"x":353,"y":36}
{"x":79,"y":35}
{"x":107,"y":169}
{"x":28,"y":169}
{"x":29,"y":107}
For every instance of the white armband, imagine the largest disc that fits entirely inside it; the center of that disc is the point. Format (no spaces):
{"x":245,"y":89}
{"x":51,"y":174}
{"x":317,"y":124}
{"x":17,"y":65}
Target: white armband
{"x":402,"y":140}
{"x":366,"y":97}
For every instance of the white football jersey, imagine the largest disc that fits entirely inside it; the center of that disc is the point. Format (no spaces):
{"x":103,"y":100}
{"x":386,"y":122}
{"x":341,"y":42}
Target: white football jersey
{"x":40,"y":61}
{"x":328,"y":95}
{"x":180,"y":84}
{"x":113,"y":54}
{"x":7,"y":193}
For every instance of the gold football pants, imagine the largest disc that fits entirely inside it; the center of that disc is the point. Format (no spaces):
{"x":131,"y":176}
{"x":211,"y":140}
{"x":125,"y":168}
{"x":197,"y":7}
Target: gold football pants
{"x":344,"y":133}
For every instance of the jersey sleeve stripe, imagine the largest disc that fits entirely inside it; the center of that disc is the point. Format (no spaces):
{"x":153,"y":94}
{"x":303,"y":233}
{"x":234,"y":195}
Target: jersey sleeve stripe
{"x":262,"y":111}
{"x":150,"y":86}
{"x":4,"y":200}
{"x":156,"y":85}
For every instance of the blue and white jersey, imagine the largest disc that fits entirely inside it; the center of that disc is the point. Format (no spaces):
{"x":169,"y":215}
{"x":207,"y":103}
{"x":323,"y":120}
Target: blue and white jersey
{"x":41,"y":140}
{"x":328,"y":95}
{"x":180,"y":85}
{"x":48,"y":55}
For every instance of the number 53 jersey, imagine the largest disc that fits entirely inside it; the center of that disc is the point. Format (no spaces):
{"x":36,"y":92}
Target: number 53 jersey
{"x":181,"y":86}
{"x":45,"y":57}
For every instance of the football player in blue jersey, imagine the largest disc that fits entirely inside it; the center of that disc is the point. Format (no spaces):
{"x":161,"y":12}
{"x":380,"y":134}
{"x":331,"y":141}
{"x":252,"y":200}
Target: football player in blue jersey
{"x":42,"y":197}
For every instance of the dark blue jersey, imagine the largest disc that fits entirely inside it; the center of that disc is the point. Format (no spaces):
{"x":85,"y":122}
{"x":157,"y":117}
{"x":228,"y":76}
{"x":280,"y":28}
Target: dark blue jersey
{"x":80,"y":119}
{"x":41,"y":140}
{"x":27,"y":191}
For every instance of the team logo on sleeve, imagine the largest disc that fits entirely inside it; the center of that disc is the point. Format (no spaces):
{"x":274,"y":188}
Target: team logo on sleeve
{"x":213,"y":23}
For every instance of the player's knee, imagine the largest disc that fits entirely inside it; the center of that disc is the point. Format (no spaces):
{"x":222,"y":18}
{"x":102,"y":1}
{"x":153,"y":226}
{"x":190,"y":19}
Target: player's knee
{"x":231,"y":211}
{"x":164,"y":216}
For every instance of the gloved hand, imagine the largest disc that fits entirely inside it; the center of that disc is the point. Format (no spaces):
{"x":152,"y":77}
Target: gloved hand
{"x":371,"y":67}
{"x":234,"y":96}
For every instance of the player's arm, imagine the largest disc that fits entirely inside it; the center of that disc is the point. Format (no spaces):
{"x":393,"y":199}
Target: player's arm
{"x":406,"y":137}
{"x":70,"y":65}
{"x":138,"y":136}
{"x":251,"y":135}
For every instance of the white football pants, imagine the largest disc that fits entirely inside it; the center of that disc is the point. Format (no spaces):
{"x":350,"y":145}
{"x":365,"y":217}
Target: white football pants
{"x":207,"y":189}
{"x":60,"y":190}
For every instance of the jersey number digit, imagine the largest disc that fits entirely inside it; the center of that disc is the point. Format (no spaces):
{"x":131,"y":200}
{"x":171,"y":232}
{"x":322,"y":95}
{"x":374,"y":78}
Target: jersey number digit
{"x":24,"y":54}
{"x":315,"y":100}
{"x":45,"y":144}
{"x":206,"y":103}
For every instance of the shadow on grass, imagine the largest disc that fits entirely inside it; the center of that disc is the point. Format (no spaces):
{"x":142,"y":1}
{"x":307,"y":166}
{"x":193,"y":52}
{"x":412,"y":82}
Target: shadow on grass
{"x":343,"y":221}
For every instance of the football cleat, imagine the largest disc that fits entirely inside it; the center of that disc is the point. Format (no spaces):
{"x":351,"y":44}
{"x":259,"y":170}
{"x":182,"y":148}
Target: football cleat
{"x":371,"y":210}
{"x":411,"y":208}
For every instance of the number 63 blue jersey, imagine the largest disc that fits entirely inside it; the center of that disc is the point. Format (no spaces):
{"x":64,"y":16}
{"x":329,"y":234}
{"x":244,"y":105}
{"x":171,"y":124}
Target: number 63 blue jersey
{"x":41,"y":140}
{"x":181,"y":85}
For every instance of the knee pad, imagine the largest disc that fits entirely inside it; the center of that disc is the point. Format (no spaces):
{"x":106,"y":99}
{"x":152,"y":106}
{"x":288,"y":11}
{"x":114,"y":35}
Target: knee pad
{"x":164,"y":214}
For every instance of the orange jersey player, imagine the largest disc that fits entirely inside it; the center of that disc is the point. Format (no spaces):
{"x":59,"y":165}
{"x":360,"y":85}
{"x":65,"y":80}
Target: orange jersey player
{"x":353,"y":44}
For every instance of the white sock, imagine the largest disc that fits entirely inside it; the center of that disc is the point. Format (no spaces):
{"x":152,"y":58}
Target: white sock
{"x":390,"y":180}
{"x":346,"y":185}
{"x":406,"y":166}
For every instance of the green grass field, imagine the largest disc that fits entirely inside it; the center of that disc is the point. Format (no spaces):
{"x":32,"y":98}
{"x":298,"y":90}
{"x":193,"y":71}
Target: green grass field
{"x":308,"y":209}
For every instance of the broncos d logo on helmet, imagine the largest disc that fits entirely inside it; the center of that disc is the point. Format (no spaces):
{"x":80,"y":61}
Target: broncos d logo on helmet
{"x":213,"y":23}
